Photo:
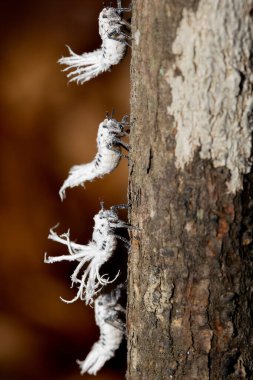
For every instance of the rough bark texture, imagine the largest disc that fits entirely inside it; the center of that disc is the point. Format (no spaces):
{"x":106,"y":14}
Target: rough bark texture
{"x":190,"y":267}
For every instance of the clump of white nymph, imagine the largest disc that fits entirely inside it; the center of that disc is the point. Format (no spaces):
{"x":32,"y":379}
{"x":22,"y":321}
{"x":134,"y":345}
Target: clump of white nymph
{"x":107,"y":314}
{"x":108,"y":156}
{"x":113,"y":30}
{"x":95,"y":253}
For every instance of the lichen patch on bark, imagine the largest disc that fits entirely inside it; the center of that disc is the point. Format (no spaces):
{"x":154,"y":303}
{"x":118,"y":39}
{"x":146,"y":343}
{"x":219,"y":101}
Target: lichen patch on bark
{"x":211,"y":87}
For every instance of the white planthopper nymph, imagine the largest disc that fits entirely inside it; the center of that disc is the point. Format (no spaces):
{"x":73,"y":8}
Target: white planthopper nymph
{"x":109,"y":144}
{"x":107,"y":314}
{"x":95,"y":253}
{"x":112,"y":29}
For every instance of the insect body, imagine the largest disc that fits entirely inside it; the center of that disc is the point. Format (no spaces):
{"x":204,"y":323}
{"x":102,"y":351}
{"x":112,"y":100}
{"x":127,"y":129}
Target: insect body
{"x":107,"y":158}
{"x":114,"y":44}
{"x":107,"y":310}
{"x":96,"y":253}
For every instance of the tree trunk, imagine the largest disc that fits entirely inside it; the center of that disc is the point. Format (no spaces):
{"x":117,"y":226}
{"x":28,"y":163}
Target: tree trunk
{"x":190,"y":186}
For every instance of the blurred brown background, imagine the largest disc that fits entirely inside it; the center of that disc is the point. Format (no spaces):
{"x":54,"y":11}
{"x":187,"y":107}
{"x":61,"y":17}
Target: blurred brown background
{"x":46,"y":127}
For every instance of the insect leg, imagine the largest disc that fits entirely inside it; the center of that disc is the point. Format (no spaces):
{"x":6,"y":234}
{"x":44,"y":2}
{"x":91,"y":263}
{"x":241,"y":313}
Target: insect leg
{"x":118,"y":142}
{"x":124,"y":133}
{"x":124,"y":123}
{"x":121,"y":10}
{"x":125,"y":241}
{"x":115,"y":322}
{"x":121,"y":206}
{"x":119,"y":32}
{"x":126,"y":24}
{"x":124,"y":225}
{"x":115,"y":132}
{"x":124,"y":120}
{"x":115,"y":34}
{"x":108,"y":146}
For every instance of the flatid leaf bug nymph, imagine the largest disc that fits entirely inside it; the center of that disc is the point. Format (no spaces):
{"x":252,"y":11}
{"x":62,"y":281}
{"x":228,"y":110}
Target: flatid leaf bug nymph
{"x":96,"y":253}
{"x":114,"y":32}
{"x":109,"y":146}
{"x":107,"y":315}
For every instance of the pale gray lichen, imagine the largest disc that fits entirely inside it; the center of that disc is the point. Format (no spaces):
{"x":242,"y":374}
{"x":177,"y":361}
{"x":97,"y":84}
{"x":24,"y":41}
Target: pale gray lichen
{"x":210,"y":86}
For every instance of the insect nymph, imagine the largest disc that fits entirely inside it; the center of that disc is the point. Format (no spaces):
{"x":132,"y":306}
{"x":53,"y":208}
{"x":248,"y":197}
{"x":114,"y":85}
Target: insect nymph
{"x":96,"y":253}
{"x":112,"y":28}
{"x":111,"y":326}
{"x":109,"y":145}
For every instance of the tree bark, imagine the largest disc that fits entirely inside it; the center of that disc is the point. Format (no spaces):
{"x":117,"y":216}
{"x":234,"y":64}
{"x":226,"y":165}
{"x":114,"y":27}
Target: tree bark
{"x":190,"y":187}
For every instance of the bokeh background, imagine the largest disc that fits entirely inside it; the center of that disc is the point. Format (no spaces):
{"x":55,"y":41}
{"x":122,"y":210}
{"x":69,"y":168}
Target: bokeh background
{"x":46,"y":126}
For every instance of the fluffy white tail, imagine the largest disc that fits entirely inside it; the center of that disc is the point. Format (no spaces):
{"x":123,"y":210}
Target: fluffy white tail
{"x":91,"y":281}
{"x":95,"y":360}
{"x":79,"y":174}
{"x":111,"y":334}
{"x":87,"y":65}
